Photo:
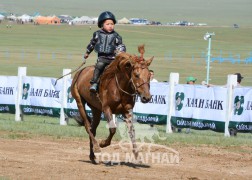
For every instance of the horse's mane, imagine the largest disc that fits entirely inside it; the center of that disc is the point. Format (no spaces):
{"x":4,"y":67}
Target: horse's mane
{"x":112,"y":68}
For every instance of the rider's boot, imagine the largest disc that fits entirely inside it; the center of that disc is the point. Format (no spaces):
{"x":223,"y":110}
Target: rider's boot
{"x":93,"y":88}
{"x":94,"y":81}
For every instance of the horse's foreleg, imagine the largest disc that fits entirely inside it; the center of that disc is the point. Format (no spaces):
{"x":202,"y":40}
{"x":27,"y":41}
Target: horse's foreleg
{"x":111,"y":126}
{"x":131,"y":131}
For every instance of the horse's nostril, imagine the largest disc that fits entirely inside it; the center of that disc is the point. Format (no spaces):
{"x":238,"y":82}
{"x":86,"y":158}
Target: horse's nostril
{"x":145,"y":99}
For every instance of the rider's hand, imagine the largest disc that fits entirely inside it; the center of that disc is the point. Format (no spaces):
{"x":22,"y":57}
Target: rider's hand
{"x":86,"y":56}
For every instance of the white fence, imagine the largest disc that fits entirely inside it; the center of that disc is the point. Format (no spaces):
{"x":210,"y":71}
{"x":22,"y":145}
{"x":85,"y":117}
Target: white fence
{"x":180,"y":105}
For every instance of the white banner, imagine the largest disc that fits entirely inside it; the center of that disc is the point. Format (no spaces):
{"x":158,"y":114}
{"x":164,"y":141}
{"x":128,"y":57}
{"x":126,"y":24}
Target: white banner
{"x":156,"y":110}
{"x":242,"y":110}
{"x":41,"y":96}
{"x":196,"y":106}
{"x":199,"y":107}
{"x":71,"y":103}
{"x":71,"y":109}
{"x":183,"y":94}
{"x":8,"y":90}
{"x":209,"y":103}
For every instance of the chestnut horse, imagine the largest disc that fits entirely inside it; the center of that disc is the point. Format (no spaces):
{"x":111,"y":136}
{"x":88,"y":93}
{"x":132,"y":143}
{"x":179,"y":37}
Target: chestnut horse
{"x":125,"y":78}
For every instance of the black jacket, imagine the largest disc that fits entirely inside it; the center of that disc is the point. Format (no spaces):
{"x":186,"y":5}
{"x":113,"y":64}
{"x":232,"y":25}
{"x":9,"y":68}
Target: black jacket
{"x":104,"y":43}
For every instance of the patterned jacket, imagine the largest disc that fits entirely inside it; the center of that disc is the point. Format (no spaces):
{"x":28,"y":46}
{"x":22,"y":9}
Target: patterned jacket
{"x":104,"y":44}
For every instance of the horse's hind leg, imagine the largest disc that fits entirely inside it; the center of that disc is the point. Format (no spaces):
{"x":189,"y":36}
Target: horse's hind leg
{"x":112,"y":128}
{"x":94,"y":124}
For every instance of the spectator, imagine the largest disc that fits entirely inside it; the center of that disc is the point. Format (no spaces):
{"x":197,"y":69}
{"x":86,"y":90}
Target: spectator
{"x":190,"y":80}
{"x":239,"y":79}
{"x":152,"y":79}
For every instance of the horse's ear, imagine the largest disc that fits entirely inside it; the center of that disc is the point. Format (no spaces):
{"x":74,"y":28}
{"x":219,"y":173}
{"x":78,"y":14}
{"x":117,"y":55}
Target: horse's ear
{"x":148,"y":62}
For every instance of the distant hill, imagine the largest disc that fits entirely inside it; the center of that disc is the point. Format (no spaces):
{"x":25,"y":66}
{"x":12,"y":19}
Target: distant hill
{"x":211,"y":12}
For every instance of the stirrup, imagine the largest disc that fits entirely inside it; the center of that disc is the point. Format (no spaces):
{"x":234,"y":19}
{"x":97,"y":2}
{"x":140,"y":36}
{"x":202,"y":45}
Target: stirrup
{"x":93,"y":88}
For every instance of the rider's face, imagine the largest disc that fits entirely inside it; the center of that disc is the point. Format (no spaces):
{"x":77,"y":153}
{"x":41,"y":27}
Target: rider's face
{"x":108,"y":25}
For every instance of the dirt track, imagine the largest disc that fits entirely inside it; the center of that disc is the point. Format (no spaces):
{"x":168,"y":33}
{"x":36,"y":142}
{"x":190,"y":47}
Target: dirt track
{"x":47,"y":158}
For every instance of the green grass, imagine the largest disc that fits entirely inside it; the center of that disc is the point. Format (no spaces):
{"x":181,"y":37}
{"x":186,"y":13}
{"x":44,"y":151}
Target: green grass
{"x":37,"y":126}
{"x":45,"y":50}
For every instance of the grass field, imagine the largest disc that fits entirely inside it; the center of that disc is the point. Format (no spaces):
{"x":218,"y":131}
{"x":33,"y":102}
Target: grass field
{"x":39,"y":147}
{"x":46,"y":50}
{"x":36,"y":126}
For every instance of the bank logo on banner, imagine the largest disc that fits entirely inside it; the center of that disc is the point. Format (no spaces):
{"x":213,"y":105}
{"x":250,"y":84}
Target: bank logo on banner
{"x":180,"y":96}
{"x":26,"y":88}
{"x":70,"y":98}
{"x":238,"y":103}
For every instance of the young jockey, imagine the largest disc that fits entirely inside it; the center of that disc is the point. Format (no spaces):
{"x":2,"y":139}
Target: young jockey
{"x":106,"y":42}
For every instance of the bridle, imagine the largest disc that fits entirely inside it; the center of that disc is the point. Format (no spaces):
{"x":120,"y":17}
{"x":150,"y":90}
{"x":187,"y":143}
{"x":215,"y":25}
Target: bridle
{"x":117,"y":83}
{"x":135,"y":87}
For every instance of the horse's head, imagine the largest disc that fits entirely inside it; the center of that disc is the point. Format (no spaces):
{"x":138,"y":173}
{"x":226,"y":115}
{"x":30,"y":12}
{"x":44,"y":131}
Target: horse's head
{"x":141,"y":79}
{"x":138,"y":72}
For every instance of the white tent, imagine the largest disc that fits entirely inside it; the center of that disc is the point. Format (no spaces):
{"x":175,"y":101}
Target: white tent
{"x":124,"y":21}
{"x":95,"y":20}
{"x":86,"y":19}
{"x":76,"y":20}
{"x":25,"y":18}
{"x":83,"y":20}
{"x":1,"y":17}
{"x":12,"y":18}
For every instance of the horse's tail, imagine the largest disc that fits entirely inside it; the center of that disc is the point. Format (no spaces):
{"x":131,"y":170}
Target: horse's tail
{"x":80,"y":103}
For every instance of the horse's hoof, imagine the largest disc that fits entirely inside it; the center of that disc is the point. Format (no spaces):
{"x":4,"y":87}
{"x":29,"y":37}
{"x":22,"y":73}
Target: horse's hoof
{"x":103,"y":144}
{"x":94,"y":161}
{"x":97,"y":149}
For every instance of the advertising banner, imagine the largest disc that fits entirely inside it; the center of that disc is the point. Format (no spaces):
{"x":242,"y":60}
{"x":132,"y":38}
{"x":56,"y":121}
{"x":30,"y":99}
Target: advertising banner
{"x":8,"y":90}
{"x":155,"y":111}
{"x":242,"y":110}
{"x":195,"y":106}
{"x":71,"y":109}
{"x":199,"y":107}
{"x":41,"y":96}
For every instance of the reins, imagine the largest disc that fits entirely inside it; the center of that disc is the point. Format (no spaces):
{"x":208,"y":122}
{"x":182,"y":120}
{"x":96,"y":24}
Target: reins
{"x":135,"y":87}
{"x":117,"y":83}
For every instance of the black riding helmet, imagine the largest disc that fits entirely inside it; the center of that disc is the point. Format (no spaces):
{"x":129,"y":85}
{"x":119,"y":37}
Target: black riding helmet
{"x":104,"y":16}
